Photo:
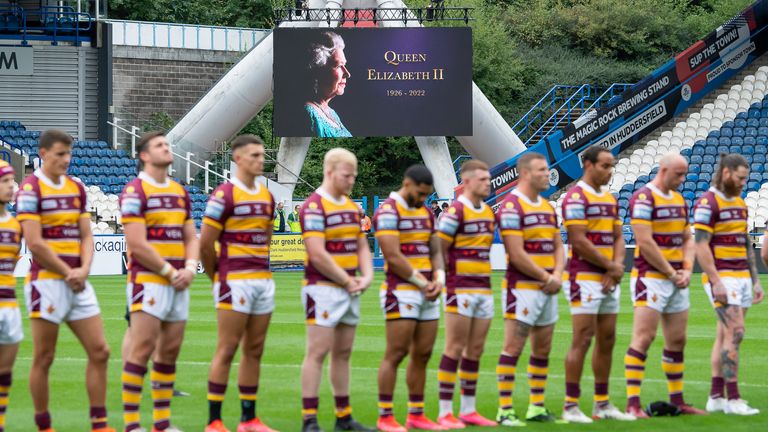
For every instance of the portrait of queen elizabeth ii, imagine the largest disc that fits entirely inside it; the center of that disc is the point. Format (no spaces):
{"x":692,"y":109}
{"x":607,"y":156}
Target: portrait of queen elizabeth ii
{"x":327,"y":74}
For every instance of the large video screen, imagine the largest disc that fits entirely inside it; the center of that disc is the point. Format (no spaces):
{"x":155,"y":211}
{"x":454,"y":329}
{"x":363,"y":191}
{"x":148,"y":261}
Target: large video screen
{"x":344,"y":82}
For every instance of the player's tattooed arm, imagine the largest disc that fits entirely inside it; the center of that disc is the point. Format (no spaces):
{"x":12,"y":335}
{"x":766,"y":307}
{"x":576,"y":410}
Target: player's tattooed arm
{"x":703,"y":236}
{"x":707,"y":262}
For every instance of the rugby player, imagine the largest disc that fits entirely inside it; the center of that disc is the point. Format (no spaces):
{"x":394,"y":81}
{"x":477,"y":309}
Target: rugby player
{"x":730,"y":278}
{"x":336,"y":249}
{"x":659,"y":281}
{"x":51,"y":208}
{"x":466,"y":233}
{"x":10,"y":316}
{"x":591,"y":284}
{"x":163,"y":251}
{"x":239,"y":217}
{"x":528,"y":226}
{"x":405,"y":229}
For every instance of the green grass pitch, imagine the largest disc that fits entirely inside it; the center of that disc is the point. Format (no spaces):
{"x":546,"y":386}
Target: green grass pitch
{"x":279,"y":395}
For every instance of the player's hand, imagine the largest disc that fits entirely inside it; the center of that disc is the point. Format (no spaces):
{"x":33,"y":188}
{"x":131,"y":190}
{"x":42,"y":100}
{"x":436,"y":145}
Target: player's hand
{"x":553,"y":284}
{"x":365,"y":281}
{"x":615,"y":271}
{"x":353,"y":286}
{"x":432,"y":291}
{"x":75,"y":279}
{"x":607,"y":283}
{"x":719,"y":293}
{"x":182,"y":280}
{"x":758,"y":293}
{"x":685,"y":276}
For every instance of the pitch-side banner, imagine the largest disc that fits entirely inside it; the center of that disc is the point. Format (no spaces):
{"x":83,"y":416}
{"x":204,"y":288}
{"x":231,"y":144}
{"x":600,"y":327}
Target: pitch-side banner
{"x":343,"y":82}
{"x":664,"y":94}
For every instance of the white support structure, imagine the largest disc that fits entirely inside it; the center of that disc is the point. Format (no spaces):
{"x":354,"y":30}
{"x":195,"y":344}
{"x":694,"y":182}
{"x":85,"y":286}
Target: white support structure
{"x":247,"y":87}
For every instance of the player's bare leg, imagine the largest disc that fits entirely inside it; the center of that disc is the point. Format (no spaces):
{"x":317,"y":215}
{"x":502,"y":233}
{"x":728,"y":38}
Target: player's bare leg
{"x":144,"y":334}
{"x":584,"y":327}
{"x":469,"y":370}
{"x":90,"y":333}
{"x":457,"y":329}
{"x":416,"y":373}
{"x":44,"y":337}
{"x":338,"y":368}
{"x":732,"y":321}
{"x":163,"y":374}
{"x":674,"y":327}
{"x":399,"y":335}
{"x":319,"y":344}
{"x":8,"y":354}
{"x":602,"y":360}
{"x":251,"y":350}
{"x":231,"y":328}
{"x":515,"y":335}
{"x":644,"y":328}
{"x":538,"y":370}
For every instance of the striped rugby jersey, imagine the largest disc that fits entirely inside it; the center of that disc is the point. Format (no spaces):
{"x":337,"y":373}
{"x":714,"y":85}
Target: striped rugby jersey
{"x":59,"y":209}
{"x":164,"y":209}
{"x":470,"y":232}
{"x":598,"y":211}
{"x":337,"y":222}
{"x":726,"y":219}
{"x":10,"y":243}
{"x":414,"y":227}
{"x":667,"y":214}
{"x":244,"y":217}
{"x":536,"y":222}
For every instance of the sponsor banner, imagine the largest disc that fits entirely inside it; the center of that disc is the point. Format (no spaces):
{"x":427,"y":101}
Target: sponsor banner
{"x":342,"y":82}
{"x":667,"y":92}
{"x":17,"y":61}
{"x":108,"y":256}
{"x":286,"y":250}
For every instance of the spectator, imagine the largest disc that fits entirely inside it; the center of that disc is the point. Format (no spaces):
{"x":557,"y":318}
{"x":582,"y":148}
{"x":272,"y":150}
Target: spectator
{"x":444,"y":207}
{"x":293,"y":220}
{"x":436,"y":209}
{"x":365,"y":221}
{"x":279,"y":224}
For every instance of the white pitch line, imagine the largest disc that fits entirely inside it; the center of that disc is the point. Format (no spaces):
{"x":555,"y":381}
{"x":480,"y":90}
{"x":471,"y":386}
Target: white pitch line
{"x":363,"y":368}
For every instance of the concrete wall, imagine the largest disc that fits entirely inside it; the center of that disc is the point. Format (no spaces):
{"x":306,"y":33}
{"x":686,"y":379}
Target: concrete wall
{"x":149,"y":80}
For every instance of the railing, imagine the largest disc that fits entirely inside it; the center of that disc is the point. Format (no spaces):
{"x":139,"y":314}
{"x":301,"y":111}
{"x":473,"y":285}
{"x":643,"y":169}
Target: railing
{"x":185,"y":36}
{"x":540,"y":109}
{"x":614,"y":90}
{"x":20,"y":26}
{"x":59,"y":23}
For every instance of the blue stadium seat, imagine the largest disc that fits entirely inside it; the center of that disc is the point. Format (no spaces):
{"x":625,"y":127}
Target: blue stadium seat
{"x":702,"y":186}
{"x":726,"y":132}
{"x":737,"y":141}
{"x":689,"y":185}
{"x":689,"y":195}
{"x":750,"y":132}
{"x":686,"y":152}
{"x":753,"y":123}
{"x":694,"y":168}
{"x":753,"y":185}
{"x":750,"y":141}
{"x":748,"y":150}
{"x":711,"y":142}
{"x":697,"y":159}
{"x":756,"y":176}
{"x":715,"y":133}
{"x":724,"y":141}
{"x":764,"y":118}
{"x":741,"y":116}
{"x":707,"y":177}
{"x":698,"y":149}
{"x":691,"y":177}
{"x":708,"y":159}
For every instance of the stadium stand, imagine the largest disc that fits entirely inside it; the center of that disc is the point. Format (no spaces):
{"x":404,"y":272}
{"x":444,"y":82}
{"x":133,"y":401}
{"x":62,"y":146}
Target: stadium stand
{"x":735,"y":122}
{"x":103,"y":170}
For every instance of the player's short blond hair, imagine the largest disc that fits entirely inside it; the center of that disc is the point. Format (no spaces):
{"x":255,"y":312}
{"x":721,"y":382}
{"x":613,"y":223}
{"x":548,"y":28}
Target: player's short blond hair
{"x":336,"y":156}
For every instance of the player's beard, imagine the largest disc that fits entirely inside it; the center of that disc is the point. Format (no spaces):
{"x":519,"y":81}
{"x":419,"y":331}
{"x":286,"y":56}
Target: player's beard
{"x":414,"y":202}
{"x":731,"y":187}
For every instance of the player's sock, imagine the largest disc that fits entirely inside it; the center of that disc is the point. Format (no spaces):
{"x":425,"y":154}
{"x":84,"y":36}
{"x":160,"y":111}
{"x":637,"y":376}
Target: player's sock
{"x":415,"y":404}
{"x":505,"y":376}
{"x":601,"y":395}
{"x":385,"y":405}
{"x":572,"y":394}
{"x":163,"y":376}
{"x":216,"y":394}
{"x":309,"y":408}
{"x":343,"y":408}
{"x":446,"y":378}
{"x":5,"y":388}
{"x":469,"y":370}
{"x":133,"y":381}
{"x":98,"y":418}
{"x":634,"y":370}
{"x":248,"y":397}
{"x":43,"y":420}
{"x":673,"y":366}
{"x":538,"y":368}
{"x":733,"y":390}
{"x":717,"y":390}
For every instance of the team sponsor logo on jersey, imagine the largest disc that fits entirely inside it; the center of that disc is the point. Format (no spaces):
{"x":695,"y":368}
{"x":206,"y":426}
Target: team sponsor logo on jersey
{"x":531,"y":220}
{"x":702,"y":215}
{"x":26,"y":203}
{"x":154,"y":203}
{"x":214,"y":210}
{"x":595,"y":210}
{"x":130,"y":206}
{"x":642,"y":211}
{"x":386,"y":221}
{"x":510,"y":221}
{"x":49,"y":204}
{"x":576,"y":211}
{"x":314,"y":223}
{"x":242,"y":210}
{"x":448,"y":225}
{"x":406,"y":225}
